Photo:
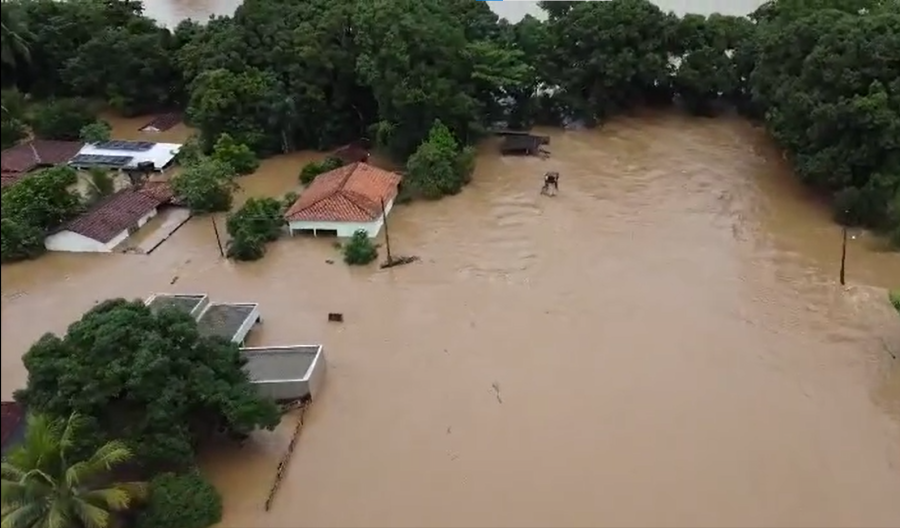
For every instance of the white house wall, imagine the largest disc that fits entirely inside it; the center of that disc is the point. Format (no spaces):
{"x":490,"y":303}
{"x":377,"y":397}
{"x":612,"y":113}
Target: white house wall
{"x":76,"y":243}
{"x":344,"y":229}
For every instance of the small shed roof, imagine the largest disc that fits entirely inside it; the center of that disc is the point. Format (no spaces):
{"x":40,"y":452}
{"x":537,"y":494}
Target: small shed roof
{"x":125,"y":154}
{"x":352,"y":193}
{"x":113,"y":215}
{"x":19,"y":160}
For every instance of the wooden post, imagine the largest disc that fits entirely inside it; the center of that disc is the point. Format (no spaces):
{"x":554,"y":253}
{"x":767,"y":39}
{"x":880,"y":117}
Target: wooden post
{"x":218,"y":238}
{"x":387,"y":235}
{"x":844,"y":256}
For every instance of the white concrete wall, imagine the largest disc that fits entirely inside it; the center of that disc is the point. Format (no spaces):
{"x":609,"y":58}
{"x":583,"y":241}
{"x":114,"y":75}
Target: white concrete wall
{"x":344,"y":229}
{"x":73,"y":242}
{"x":76,"y":243}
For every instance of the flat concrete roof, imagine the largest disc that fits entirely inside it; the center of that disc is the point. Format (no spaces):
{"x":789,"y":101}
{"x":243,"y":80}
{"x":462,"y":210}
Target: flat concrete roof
{"x":280,"y":363}
{"x":226,"y":319}
{"x":187,"y":302}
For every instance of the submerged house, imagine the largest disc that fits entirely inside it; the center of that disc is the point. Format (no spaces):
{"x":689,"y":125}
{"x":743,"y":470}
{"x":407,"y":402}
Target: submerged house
{"x":283,"y":373}
{"x":107,"y":224}
{"x":25,"y":158}
{"x":126,"y":156}
{"x":342,"y":201}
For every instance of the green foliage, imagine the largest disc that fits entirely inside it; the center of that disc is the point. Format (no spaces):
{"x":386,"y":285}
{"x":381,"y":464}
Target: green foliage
{"x":191,"y":151}
{"x":258,"y":221}
{"x":20,"y":241}
{"x":61,"y":119}
{"x":895,"y":299}
{"x":312,"y":169}
{"x":205,"y":186}
{"x":438,"y":168}
{"x":101,"y":183}
{"x":128,"y":66}
{"x":150,"y":379}
{"x":96,"y":132}
{"x":33,"y":206}
{"x":44,"y":485}
{"x":185,"y":501}
{"x":359,"y":250}
{"x":238,"y":156}
{"x":12,"y":117}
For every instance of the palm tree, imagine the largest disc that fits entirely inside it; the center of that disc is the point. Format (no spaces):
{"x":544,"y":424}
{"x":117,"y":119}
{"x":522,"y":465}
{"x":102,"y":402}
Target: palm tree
{"x":15,"y":36}
{"x":43,"y":489}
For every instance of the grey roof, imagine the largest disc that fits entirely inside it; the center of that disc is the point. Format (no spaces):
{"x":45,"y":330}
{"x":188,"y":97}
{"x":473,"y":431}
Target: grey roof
{"x":287,"y":363}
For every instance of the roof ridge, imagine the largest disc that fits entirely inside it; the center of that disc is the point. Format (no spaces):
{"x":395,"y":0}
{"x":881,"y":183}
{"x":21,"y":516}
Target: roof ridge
{"x":337,"y":189}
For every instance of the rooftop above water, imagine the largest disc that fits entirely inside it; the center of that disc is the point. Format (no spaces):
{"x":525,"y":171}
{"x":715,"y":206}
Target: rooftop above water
{"x":226,"y":320}
{"x":280,"y":363}
{"x":185,"y":302}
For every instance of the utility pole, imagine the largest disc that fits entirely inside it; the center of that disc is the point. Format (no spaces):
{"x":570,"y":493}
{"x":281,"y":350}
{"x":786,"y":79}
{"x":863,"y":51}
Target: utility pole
{"x":843,"y":255}
{"x":387,"y":236}
{"x":212,"y":217}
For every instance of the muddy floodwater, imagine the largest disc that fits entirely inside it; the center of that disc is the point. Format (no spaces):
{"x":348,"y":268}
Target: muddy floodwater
{"x":662,"y":344}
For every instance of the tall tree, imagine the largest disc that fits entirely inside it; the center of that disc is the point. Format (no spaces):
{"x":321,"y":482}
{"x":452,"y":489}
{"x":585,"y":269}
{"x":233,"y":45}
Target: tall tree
{"x":44,"y":486}
{"x":150,"y":379}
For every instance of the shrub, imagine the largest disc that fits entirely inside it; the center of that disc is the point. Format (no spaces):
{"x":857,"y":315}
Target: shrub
{"x":19,"y":241}
{"x":359,"y":250}
{"x":438,"y":168}
{"x":205,"y":186}
{"x":12,"y":130}
{"x":235,"y":154}
{"x":314,"y":168}
{"x":96,"y":132}
{"x":61,"y":119}
{"x":895,"y":299}
{"x":182,"y":501}
{"x":257,"y":222}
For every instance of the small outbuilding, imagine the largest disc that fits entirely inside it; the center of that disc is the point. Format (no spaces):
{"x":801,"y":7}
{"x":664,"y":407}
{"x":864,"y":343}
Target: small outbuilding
{"x":354,"y":197}
{"x":127,"y":156}
{"x":107,"y":224}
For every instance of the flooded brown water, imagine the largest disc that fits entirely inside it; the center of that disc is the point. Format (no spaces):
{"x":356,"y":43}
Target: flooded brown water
{"x":662,"y":344}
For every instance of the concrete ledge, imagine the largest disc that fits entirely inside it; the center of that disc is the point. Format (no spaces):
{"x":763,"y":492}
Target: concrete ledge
{"x":286,"y":372}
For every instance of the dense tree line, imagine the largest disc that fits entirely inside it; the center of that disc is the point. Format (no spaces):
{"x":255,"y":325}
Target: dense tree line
{"x":127,"y":384}
{"x":281,"y":75}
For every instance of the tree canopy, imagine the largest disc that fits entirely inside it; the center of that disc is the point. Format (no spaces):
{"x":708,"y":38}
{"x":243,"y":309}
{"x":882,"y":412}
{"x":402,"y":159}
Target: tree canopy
{"x":284,"y":75}
{"x":43,"y":485}
{"x":149,"y":379}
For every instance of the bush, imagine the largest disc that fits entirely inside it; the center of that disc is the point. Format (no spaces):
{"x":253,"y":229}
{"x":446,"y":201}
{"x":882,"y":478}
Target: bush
{"x":235,"y":154}
{"x":19,"y":241}
{"x":182,"y":501}
{"x":895,"y":299}
{"x":359,"y":250}
{"x":257,"y":222}
{"x":61,"y":119}
{"x":438,"y":168}
{"x":96,"y":132}
{"x":205,"y":186}
{"x":12,"y":130}
{"x":314,"y":168}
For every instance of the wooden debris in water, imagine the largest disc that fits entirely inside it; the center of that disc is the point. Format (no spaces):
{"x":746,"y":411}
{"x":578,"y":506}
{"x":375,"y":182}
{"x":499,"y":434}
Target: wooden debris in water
{"x":285,"y":459}
{"x":336,"y":317}
{"x":399,"y":261}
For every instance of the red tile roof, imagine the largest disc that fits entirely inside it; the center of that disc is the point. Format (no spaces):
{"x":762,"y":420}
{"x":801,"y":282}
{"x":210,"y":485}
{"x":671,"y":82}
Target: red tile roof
{"x":11,"y":417}
{"x":352,"y":193}
{"x":160,"y":190}
{"x":113,"y":215}
{"x":162,"y":122}
{"x":25,"y":157}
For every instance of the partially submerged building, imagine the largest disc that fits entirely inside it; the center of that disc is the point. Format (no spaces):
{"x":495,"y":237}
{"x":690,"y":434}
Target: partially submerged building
{"x":522,"y":144}
{"x":127,"y":156}
{"x":106,"y":224}
{"x":290,"y":372}
{"x":20,"y":161}
{"x":340,"y":202}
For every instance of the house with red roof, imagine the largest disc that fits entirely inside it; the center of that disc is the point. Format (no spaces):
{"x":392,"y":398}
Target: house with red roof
{"x":25,"y":158}
{"x":354,"y":197}
{"x":107,"y":223}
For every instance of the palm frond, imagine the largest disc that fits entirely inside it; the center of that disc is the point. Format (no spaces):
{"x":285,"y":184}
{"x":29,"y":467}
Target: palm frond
{"x":58,"y":515}
{"x":91,"y":516}
{"x":24,"y":516}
